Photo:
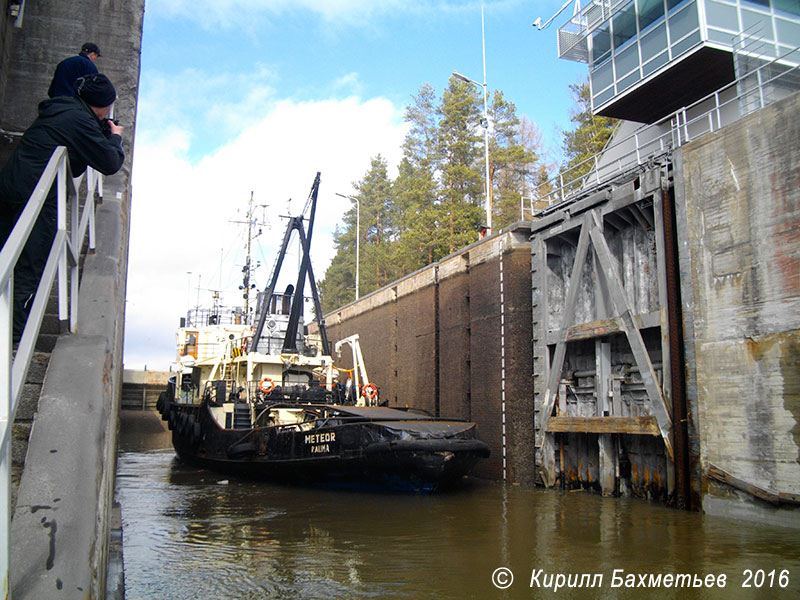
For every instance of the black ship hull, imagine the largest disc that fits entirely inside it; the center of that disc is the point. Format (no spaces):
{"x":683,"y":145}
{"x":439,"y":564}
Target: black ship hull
{"x":332,"y":445}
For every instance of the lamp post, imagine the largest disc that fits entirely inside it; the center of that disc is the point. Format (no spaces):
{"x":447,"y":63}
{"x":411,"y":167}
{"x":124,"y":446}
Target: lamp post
{"x":358,"y":232}
{"x":484,"y":123}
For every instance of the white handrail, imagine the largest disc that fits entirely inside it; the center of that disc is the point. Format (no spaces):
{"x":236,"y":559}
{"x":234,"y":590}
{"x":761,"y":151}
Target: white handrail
{"x":62,"y":262}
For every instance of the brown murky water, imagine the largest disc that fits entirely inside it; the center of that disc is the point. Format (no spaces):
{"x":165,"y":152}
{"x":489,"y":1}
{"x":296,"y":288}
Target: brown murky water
{"x":194,"y":534}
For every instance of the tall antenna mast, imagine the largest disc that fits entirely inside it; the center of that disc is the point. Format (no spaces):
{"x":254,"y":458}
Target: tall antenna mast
{"x":248,"y":266}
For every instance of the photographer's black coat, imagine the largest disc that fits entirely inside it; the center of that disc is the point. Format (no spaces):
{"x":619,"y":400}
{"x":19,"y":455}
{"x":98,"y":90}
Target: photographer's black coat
{"x":66,"y":122}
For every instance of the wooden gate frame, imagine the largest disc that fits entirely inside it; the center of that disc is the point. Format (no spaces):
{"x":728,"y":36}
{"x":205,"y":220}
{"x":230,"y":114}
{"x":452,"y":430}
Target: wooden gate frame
{"x":617,"y":317}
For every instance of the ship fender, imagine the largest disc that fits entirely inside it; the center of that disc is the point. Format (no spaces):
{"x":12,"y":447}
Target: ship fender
{"x":165,"y":405}
{"x":188,"y":425}
{"x":241,"y":450}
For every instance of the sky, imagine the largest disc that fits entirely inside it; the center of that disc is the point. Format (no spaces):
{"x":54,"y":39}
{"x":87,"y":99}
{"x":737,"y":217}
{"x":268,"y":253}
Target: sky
{"x":241,"y":97}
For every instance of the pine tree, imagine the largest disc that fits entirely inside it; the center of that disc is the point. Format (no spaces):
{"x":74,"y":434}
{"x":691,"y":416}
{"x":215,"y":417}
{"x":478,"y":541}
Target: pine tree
{"x":379,"y":226}
{"x":589,"y":136}
{"x":459,"y":142}
{"x":511,"y":162}
{"x":436,"y":203}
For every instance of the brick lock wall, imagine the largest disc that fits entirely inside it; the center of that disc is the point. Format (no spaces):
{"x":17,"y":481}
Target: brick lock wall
{"x":399,"y":327}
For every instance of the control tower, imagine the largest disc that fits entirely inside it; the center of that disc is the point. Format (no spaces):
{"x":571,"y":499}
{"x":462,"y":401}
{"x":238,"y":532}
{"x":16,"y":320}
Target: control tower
{"x":649,"y":58}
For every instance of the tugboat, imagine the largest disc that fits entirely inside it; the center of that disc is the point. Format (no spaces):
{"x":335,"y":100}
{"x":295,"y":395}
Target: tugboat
{"x":268,"y":401}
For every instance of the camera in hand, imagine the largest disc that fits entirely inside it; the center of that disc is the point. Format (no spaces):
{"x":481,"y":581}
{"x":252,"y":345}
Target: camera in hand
{"x":107,"y":126}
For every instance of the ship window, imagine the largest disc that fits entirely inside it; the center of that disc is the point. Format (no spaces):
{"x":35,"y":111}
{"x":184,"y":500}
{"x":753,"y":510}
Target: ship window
{"x":649,"y":12}
{"x":624,"y":25}
{"x":601,"y":43}
{"x":190,"y":346}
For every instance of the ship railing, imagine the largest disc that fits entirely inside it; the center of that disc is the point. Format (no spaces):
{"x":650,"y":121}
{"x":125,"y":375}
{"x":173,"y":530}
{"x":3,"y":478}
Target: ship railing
{"x":62,"y":265}
{"x":650,"y":144}
{"x":221,"y":315}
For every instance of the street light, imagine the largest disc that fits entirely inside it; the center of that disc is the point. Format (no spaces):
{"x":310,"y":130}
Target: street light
{"x":358,"y":232}
{"x":484,"y":123}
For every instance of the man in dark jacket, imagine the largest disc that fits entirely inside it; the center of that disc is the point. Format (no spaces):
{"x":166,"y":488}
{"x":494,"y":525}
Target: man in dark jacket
{"x":69,"y":69}
{"x":80,"y":123}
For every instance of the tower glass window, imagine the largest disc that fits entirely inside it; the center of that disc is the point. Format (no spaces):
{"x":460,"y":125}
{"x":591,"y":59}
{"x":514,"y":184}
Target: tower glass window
{"x":631,"y":44}
{"x":624,"y":25}
{"x":649,"y":12}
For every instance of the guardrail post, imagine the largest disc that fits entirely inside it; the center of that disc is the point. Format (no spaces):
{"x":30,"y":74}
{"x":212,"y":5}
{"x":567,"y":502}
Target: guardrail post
{"x":96,"y":182}
{"x":63,"y":301}
{"x":6,"y":326}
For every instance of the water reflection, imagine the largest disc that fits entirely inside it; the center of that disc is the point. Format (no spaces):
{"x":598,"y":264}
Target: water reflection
{"x":195,"y":534}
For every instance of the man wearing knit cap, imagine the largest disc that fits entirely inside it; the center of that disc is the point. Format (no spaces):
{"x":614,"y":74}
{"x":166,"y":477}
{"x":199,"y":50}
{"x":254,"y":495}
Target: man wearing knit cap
{"x":69,"y":69}
{"x":80,"y":123}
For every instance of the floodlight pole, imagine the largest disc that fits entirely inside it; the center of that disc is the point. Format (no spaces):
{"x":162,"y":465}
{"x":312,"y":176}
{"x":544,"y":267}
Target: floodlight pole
{"x":485,"y":123}
{"x":358,"y":232}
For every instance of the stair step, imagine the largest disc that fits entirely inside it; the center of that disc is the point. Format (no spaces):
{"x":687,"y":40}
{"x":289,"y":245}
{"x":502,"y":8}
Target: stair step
{"x":241,"y":416}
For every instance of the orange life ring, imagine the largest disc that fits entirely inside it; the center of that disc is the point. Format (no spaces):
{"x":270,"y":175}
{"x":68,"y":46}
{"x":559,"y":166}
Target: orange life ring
{"x":244,"y":345}
{"x":369,"y":391}
{"x":267,"y":385}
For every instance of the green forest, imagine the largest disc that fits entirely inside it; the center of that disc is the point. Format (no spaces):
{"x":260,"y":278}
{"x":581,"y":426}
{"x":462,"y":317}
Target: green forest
{"x":435,"y":205}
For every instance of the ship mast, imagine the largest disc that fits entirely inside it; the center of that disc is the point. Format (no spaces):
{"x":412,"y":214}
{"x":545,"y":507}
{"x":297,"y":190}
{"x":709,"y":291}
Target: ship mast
{"x":247,"y":269}
{"x":247,"y":266}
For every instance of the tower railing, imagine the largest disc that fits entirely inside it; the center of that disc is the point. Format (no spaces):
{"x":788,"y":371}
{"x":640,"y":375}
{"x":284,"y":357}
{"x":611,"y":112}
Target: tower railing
{"x":753,"y":90}
{"x":62,"y":264}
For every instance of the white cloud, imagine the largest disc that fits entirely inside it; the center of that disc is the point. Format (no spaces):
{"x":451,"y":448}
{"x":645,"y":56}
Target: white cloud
{"x":212,"y":14}
{"x":220,"y":105}
{"x":181,"y":211}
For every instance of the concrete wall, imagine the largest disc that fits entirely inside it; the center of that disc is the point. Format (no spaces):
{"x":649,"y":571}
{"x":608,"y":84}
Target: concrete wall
{"x":60,"y":528}
{"x":140,"y":389}
{"x":448,"y":337}
{"x":53,"y":30}
{"x":738,"y":197}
